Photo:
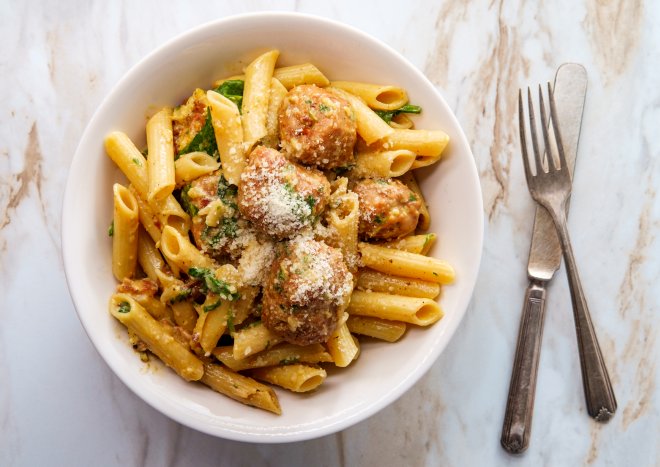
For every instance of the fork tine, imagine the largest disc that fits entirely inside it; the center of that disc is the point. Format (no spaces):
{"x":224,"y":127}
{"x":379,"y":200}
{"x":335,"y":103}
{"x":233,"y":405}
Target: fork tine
{"x":555,"y":126}
{"x":523,"y":140}
{"x":546,"y":137}
{"x":532,"y":130}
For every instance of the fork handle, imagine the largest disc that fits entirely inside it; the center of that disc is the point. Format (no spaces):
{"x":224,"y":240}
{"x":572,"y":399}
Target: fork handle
{"x":598,"y":392}
{"x":520,"y":403}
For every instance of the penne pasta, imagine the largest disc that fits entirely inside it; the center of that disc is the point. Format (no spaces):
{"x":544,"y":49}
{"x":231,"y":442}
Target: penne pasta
{"x":343,"y":218}
{"x":342,"y":347}
{"x":125,"y":232}
{"x":295,"y":75}
{"x":240,"y":388}
{"x":374,"y":281}
{"x":280,"y":354}
{"x":428,"y":145}
{"x":253,"y":339}
{"x":296,"y":377}
{"x":420,"y":244}
{"x":149,"y":257}
{"x":402,"y":263}
{"x":390,"y":331}
{"x":131,"y":314}
{"x":370,"y":126}
{"x":178,"y":249}
{"x":376,"y":96}
{"x":277,"y":94}
{"x":258,"y":75}
{"x":130,"y":161}
{"x":190,"y":166}
{"x":229,"y":135}
{"x":160,"y":164}
{"x":383,"y":164}
{"x":419,"y":311}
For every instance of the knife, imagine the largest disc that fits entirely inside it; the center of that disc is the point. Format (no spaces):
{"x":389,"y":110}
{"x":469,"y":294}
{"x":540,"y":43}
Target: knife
{"x":545,"y":255}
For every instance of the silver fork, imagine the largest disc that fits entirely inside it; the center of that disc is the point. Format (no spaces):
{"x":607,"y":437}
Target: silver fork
{"x":552,"y":189}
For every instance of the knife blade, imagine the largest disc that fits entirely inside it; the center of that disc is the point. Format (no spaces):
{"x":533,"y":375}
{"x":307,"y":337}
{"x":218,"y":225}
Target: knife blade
{"x":545,"y":256}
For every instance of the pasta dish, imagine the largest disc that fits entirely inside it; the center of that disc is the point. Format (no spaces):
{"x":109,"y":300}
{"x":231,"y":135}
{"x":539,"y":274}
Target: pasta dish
{"x":271,"y":224}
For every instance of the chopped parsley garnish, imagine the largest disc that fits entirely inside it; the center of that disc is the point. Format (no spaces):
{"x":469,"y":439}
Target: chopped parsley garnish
{"x":210,"y":283}
{"x":212,"y":306}
{"x":137,"y":162}
{"x":233,"y":90}
{"x":412,"y":198}
{"x":111,"y":229}
{"x":339,"y":171}
{"x":181,"y":296}
{"x":388,"y":115}
{"x":379,"y":219}
{"x":203,"y":141}
{"x":189,"y":207}
{"x":124,"y":307}
{"x":323,"y":108}
{"x":227,"y":192}
{"x":311,"y":202}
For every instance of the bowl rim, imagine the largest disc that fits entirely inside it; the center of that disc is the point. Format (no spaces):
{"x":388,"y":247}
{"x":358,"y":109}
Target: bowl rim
{"x":193,"y":35}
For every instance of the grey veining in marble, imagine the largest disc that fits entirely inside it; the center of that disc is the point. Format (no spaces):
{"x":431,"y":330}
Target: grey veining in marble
{"x":61,"y":405}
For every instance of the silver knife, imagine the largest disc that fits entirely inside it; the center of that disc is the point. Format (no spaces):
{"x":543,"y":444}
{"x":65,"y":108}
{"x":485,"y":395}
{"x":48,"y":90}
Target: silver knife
{"x":545,"y":255}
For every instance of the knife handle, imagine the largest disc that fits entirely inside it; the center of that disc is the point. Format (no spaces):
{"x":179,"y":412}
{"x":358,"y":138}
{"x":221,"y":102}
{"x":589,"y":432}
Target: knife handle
{"x":520,"y":403}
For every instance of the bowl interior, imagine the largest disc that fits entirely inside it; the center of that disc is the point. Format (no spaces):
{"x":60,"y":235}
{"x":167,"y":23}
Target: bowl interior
{"x":167,"y":77}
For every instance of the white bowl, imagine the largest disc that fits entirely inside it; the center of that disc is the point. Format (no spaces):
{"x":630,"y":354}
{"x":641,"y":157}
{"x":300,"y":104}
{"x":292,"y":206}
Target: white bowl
{"x":166,"y":77}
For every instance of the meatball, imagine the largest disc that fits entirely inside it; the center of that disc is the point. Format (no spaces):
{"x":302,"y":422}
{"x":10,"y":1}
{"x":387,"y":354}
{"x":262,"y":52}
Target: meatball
{"x":306,"y":287}
{"x":215,"y":220}
{"x":388,"y":208}
{"x":279,"y":197}
{"x":317,"y":127}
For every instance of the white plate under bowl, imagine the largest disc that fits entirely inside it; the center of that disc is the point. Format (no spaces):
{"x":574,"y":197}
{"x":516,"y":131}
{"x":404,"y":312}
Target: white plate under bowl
{"x":166,"y":77}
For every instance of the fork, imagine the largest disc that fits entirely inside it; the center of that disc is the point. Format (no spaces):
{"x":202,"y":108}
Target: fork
{"x":551,"y":189}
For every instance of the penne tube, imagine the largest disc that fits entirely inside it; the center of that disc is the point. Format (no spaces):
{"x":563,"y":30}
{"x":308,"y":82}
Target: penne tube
{"x":383,"y":164}
{"x":419,"y":311}
{"x":240,"y":388}
{"x":178,"y":249}
{"x":214,"y":322}
{"x":160,"y":164}
{"x":343,"y":218}
{"x":253,"y":339}
{"x":376,"y":96}
{"x":402,"y":122}
{"x":402,"y":263}
{"x":229,"y":135}
{"x":390,"y":331}
{"x":427,"y":144}
{"x":370,"y":126}
{"x":342,"y":347}
{"x":420,"y":244}
{"x":424,"y":216}
{"x":125,"y":235}
{"x":295,"y":75}
{"x":130,"y":161}
{"x":278,"y":355}
{"x":296,"y":377}
{"x":177,"y":296}
{"x":256,"y":93}
{"x":374,"y":281}
{"x":174,"y":354}
{"x":193,"y":165}
{"x":148,"y":219}
{"x":277,"y":95}
{"x":148,"y":256}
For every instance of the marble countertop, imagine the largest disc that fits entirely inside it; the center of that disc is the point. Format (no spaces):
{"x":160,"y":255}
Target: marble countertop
{"x":61,"y":405}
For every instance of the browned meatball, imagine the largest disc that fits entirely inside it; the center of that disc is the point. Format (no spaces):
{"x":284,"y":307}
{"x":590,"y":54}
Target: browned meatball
{"x":306,"y":286}
{"x":388,"y":208}
{"x":279,"y":197}
{"x":317,"y":127}
{"x":215,"y":221}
